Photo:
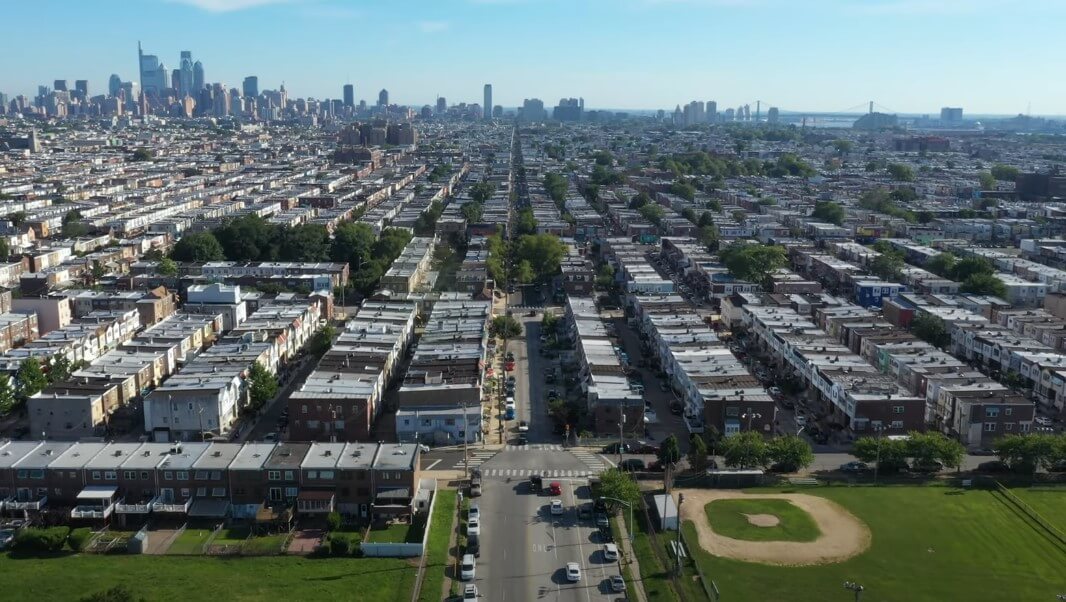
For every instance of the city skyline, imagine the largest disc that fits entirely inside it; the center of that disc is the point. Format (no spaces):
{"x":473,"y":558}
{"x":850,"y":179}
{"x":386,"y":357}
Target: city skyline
{"x":812,"y":59}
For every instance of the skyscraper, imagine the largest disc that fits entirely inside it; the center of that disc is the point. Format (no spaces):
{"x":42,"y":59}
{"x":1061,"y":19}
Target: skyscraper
{"x":349,"y":95}
{"x":186,"y":79}
{"x":153,"y":74}
{"x":82,"y":86}
{"x":114,"y":84}
{"x":773,"y":115}
{"x":383,"y":98}
{"x":487,"y":106}
{"x":60,"y":85}
{"x":251,"y":86}
{"x":175,"y":79}
{"x":712,"y":111}
{"x":197,"y":78}
{"x":442,"y":105}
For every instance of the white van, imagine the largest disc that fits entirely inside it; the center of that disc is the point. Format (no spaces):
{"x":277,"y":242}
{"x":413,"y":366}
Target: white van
{"x":466,"y":569}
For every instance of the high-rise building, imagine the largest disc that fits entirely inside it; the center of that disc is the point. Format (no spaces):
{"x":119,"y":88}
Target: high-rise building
{"x":383,"y":98}
{"x":712,"y":111}
{"x":114,"y":85}
{"x":251,"y":86}
{"x":60,"y":85}
{"x":487,"y":106}
{"x":82,"y":86}
{"x":175,"y":79}
{"x":773,"y":115}
{"x":442,"y":105}
{"x":198,"y":81}
{"x":947,"y":114}
{"x":221,"y":100}
{"x":569,"y":109}
{"x":185,"y":81}
{"x":349,"y":95}
{"x":497,"y":111}
{"x":153,"y":74}
{"x":533,"y":110}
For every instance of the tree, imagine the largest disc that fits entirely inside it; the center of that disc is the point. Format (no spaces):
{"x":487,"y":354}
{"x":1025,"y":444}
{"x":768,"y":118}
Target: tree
{"x":7,"y":395}
{"x":304,"y":243}
{"x":709,"y":237}
{"x":30,"y":379}
{"x":1026,"y":453}
{"x":544,"y":252}
{"x":930,"y":329}
{"x":987,"y":181}
{"x":926,"y":448}
{"x":669,"y":451}
{"x":505,"y":327}
{"x":248,"y":238}
{"x":523,"y":272}
{"x":842,"y":147}
{"x":525,"y":223}
{"x":72,"y":226}
{"x":262,"y":385}
{"x":901,"y":172}
{"x":744,"y":450}
{"x":684,"y":190}
{"x":789,"y":453}
{"x":887,"y":266}
{"x":697,"y":454}
{"x":1004,"y":173}
{"x":639,"y":200}
{"x":942,"y":265}
{"x":198,"y":247}
{"x":5,"y":250}
{"x":471,"y":212}
{"x":617,"y":484}
{"x":482,"y":191}
{"x":690,"y":214}
{"x":60,"y":369}
{"x":141,"y":154}
{"x":652,"y":212}
{"x":352,"y":242}
{"x":556,"y":186}
{"x":605,"y":277}
{"x":753,"y":263}
{"x":963,"y":269}
{"x":892,"y":452}
{"x":829,"y":211}
{"x":167,"y":267}
{"x":322,"y":339}
{"x":706,"y":219}
{"x":17,"y":218}
{"x":984,"y":284}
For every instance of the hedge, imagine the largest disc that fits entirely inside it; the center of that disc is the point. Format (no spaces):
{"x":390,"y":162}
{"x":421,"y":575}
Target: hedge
{"x":49,"y":539}
{"x":79,"y":538}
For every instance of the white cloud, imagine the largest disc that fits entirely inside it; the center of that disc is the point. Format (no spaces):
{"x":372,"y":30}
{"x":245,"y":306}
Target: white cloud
{"x":226,"y":6}
{"x":433,"y":26}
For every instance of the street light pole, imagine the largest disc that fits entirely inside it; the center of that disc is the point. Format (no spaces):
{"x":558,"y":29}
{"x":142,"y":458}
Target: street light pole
{"x":466,"y":439}
{"x":680,"y":499}
{"x":880,"y":429}
{"x":855,"y":587}
{"x":621,"y":437}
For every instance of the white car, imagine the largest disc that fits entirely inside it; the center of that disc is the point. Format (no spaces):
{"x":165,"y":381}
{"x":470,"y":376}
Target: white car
{"x":466,"y":569}
{"x":473,"y":526}
{"x":557,"y":507}
{"x":473,"y":512}
{"x":573,"y":572}
{"x":523,"y":426}
{"x":610,"y":552}
{"x":1043,"y":421}
{"x":470,"y":592}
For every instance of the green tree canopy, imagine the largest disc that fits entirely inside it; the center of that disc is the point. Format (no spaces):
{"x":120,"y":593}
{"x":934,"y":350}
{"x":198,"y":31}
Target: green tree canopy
{"x":744,"y":450}
{"x":556,"y":186}
{"x":706,"y":219}
{"x":471,"y":212}
{"x":829,"y":211}
{"x":1026,"y":453}
{"x":262,"y":385}
{"x":619,"y":485}
{"x":684,"y":190}
{"x":525,"y":223}
{"x":8,"y":400}
{"x":352,"y":242}
{"x":482,"y":191}
{"x":789,"y":453}
{"x":984,"y":284}
{"x":709,"y":237}
{"x":942,"y":265}
{"x":698,"y":459}
{"x":167,"y":267}
{"x":304,"y":243}
{"x":887,"y":266}
{"x":198,"y":247}
{"x":1004,"y":173}
{"x":901,"y":172}
{"x":753,"y":263}
{"x":893,"y":452}
{"x":931,"y":329}
{"x":669,"y":451}
{"x":544,"y":252}
{"x":987,"y":181}
{"x":30,"y":379}
{"x":248,"y":238}
{"x":652,"y":212}
{"x":505,"y":327}
{"x":971,"y":266}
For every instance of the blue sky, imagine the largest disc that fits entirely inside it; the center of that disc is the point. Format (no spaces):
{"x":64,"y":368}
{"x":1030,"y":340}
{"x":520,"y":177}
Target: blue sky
{"x":914,"y":56}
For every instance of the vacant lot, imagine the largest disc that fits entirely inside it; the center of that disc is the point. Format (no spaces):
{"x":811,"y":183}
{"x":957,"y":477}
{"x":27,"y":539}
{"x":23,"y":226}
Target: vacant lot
{"x":739,"y":519}
{"x":928,"y":544}
{"x":193,"y":578}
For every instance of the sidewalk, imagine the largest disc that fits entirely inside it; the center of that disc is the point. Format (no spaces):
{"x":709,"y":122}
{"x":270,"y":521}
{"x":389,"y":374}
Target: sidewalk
{"x":637,"y":593}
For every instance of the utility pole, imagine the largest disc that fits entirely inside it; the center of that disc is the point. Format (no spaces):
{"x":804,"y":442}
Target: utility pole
{"x":680,"y":499}
{"x":880,"y":430}
{"x":621,"y":437}
{"x":466,"y":440}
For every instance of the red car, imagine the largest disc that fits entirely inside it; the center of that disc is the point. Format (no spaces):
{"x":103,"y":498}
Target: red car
{"x":509,"y":366}
{"x":555,"y":488}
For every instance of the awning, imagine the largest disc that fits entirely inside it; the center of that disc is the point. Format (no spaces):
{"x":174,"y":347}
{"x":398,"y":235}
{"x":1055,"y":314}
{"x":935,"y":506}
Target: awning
{"x":209,"y":508}
{"x":395,"y":494}
{"x":98,"y":492}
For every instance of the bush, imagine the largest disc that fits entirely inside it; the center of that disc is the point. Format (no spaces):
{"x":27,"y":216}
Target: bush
{"x":340,"y":544}
{"x":79,"y":538}
{"x":49,"y":539}
{"x":333,"y":521}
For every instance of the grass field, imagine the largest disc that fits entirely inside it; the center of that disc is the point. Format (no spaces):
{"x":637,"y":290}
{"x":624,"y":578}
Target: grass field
{"x":180,"y":579}
{"x":440,"y":531}
{"x":929,"y":544}
{"x":727,"y":517}
{"x":1047,"y":502}
{"x":191,"y":541}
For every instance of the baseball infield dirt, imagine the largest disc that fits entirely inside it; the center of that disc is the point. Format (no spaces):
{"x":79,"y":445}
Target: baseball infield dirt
{"x":843,"y":535}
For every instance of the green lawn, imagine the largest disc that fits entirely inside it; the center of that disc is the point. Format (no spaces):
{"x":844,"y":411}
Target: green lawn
{"x":1048,"y":503}
{"x":653,"y":573}
{"x":727,"y":517}
{"x":265,"y":545}
{"x":929,"y":544}
{"x":191,"y":541}
{"x":396,"y":533}
{"x":437,"y":553}
{"x":231,"y":536}
{"x":191,"y":578}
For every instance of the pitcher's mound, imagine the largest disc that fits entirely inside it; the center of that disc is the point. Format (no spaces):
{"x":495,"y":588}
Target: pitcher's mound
{"x":843,"y":534}
{"x":763,"y":520}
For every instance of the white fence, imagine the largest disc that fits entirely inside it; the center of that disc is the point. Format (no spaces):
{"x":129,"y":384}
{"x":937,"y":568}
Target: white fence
{"x":403,"y":550}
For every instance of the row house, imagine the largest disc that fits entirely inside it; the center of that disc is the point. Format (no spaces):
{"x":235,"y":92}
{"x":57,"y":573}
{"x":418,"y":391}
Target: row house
{"x":411,"y":267}
{"x":127,"y":482}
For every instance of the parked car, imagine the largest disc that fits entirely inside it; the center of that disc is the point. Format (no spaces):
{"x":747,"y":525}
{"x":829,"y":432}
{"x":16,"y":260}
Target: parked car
{"x":618,"y":585}
{"x":931,"y":466}
{"x":473,"y":525}
{"x":536,"y":482}
{"x":573,"y":572}
{"x":612,"y":448}
{"x":473,"y":545}
{"x":523,"y":426}
{"x":466,"y":568}
{"x":854,"y":466}
{"x":993,"y":466}
{"x":557,"y":507}
{"x":1043,"y":421}
{"x":645,"y":448}
{"x":632,"y":464}
{"x":470,"y":592}
{"x":522,"y":439}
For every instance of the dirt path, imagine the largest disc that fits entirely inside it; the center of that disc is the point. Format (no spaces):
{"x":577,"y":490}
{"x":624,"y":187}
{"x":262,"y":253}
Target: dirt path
{"x":843,"y":535}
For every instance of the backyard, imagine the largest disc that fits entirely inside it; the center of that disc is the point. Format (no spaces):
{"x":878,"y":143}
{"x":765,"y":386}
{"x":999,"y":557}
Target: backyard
{"x":928,"y":543}
{"x":72,"y":577}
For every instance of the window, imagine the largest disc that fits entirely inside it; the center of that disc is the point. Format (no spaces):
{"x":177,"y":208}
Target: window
{"x":110,"y":475}
{"x":312,"y":474}
{"x":991,"y":412}
{"x":129,"y":475}
{"x":201,"y":491}
{"x":732,"y":412}
{"x":183,"y":475}
{"x":303,"y":409}
{"x":291,"y":492}
{"x":1009,"y":426}
{"x":23,"y":473}
{"x":216,"y":475}
{"x":897,"y":409}
{"x":168,"y":475}
{"x":449,"y":421}
{"x":275,"y":494}
{"x":144,"y":475}
{"x":990,"y":427}
{"x":288,"y":475}
{"x":201,"y":475}
{"x":37,"y":473}
{"x":274,"y":475}
{"x":1024,"y":427}
{"x":896,"y":424}
{"x":1008,"y":411}
{"x":325,"y":474}
{"x":96,"y":475}
{"x":218,"y":492}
